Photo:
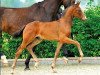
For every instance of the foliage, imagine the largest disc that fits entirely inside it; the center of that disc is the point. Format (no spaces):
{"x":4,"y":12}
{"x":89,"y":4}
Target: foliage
{"x":86,"y":32}
{"x":9,"y":45}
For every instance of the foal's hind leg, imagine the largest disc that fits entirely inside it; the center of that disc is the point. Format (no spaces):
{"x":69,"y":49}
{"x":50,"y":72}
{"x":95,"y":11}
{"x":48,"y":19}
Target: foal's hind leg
{"x":59,"y":45}
{"x":70,"y":41}
{"x":30,"y":46}
{"x":19,"y":50}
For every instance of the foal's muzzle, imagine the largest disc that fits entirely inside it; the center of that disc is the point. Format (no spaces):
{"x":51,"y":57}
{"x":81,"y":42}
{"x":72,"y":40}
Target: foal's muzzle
{"x":84,"y":18}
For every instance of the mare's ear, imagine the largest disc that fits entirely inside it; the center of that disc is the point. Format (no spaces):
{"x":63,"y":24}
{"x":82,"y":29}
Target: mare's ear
{"x":72,"y":2}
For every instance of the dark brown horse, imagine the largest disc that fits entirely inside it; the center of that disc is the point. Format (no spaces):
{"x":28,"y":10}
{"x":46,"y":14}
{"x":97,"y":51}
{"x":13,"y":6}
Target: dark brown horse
{"x":1,"y":13}
{"x":59,"y":30}
{"x":15,"y":19}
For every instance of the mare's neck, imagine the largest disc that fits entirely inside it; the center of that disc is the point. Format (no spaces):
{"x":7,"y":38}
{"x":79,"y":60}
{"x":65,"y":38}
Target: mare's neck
{"x":52,"y":6}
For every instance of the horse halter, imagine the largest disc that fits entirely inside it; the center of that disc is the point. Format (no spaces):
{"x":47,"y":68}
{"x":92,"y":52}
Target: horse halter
{"x":58,"y":9}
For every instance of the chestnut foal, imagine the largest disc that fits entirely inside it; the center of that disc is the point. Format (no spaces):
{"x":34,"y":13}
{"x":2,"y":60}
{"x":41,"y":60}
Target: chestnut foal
{"x":59,"y":30}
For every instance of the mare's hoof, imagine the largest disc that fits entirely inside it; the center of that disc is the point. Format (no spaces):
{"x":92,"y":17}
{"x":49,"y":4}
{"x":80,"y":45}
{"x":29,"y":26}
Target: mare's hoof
{"x":27,"y":69}
{"x":5,"y":65}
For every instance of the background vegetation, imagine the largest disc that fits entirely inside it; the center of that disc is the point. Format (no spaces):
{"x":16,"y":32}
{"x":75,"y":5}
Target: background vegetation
{"x":86,"y":32}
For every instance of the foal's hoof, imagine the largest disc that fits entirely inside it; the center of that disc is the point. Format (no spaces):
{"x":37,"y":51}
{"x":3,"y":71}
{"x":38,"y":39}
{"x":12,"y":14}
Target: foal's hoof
{"x":36,"y":65}
{"x":53,"y":69}
{"x":26,"y":69}
{"x":12,"y":73}
{"x":80,"y":59}
{"x":65,"y":60}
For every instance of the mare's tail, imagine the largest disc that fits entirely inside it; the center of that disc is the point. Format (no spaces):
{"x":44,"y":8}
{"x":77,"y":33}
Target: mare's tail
{"x":19,"y":33}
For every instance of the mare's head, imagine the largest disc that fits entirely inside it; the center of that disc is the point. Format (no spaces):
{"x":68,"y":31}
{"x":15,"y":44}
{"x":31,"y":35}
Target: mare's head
{"x":58,"y":3}
{"x":77,"y":12}
{"x":52,"y":7}
{"x":68,"y":3}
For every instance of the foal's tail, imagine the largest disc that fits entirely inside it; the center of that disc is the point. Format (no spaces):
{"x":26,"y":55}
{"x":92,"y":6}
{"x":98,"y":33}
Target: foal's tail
{"x":19,"y":33}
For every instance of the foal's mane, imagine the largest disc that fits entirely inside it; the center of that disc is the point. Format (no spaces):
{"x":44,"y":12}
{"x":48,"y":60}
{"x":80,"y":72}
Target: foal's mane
{"x":63,"y":13}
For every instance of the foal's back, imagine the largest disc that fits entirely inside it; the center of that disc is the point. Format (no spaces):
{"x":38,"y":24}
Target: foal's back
{"x":45,"y":30}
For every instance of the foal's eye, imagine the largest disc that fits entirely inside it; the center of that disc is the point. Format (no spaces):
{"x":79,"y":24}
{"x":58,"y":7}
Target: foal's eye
{"x":79,"y":10}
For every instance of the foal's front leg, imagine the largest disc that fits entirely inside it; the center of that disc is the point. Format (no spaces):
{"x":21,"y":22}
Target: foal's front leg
{"x":59,"y":45}
{"x":70,"y":41}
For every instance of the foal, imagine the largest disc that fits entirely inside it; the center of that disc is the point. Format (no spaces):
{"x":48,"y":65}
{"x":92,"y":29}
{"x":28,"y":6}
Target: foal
{"x":59,"y":30}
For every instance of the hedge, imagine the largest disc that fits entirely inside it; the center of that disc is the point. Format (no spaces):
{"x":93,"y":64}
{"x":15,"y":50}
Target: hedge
{"x":86,"y":32}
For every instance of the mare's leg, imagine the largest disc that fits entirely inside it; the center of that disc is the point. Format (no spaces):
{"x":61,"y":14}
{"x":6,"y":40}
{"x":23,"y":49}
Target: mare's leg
{"x":28,"y":59}
{"x":70,"y":41}
{"x":30,"y":46}
{"x":59,"y":45}
{"x":65,"y":53}
{"x":27,"y":62}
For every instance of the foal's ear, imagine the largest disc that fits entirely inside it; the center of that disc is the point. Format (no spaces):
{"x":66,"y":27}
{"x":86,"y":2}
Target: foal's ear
{"x":77,"y":4}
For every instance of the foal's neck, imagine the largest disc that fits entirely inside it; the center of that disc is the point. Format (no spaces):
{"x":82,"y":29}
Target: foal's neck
{"x":67,"y":18}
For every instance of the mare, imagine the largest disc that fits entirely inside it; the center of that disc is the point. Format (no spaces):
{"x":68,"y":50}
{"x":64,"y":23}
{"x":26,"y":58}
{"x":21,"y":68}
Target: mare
{"x":58,"y":30}
{"x":1,"y":13}
{"x":4,"y":60}
{"x":14,"y":19}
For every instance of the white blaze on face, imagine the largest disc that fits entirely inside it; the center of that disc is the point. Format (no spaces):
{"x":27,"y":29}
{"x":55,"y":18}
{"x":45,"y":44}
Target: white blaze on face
{"x":84,"y":16}
{"x":4,"y":60}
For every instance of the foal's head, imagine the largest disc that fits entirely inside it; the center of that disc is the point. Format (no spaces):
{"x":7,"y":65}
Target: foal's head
{"x":77,"y":12}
